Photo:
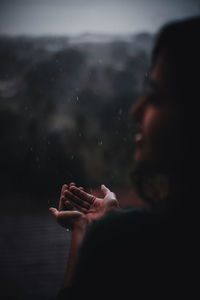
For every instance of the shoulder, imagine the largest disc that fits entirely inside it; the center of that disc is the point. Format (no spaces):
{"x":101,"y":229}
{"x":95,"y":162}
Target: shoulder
{"x":125,"y":225}
{"x":136,"y":218}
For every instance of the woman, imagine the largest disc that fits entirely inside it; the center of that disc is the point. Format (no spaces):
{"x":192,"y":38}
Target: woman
{"x":143,"y":252}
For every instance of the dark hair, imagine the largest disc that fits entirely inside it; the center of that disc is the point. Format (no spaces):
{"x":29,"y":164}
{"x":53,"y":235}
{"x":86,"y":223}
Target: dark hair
{"x":179,"y":42}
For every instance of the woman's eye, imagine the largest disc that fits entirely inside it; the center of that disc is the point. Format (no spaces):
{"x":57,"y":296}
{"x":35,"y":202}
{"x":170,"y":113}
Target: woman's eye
{"x":154,"y":99}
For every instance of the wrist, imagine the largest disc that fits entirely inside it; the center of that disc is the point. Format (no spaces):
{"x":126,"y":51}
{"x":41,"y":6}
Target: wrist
{"x":78,"y":233}
{"x":80,"y":227}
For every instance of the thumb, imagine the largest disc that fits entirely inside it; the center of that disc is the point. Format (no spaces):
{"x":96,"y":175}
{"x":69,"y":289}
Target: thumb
{"x":53,"y":211}
{"x":104,"y":189}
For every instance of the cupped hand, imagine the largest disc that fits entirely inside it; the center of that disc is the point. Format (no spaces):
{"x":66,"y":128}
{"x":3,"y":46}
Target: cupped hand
{"x":98,"y":207}
{"x":82,"y":208}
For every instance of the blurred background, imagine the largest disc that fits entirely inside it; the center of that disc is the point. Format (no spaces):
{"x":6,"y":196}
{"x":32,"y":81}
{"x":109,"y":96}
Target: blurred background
{"x":69,"y":73}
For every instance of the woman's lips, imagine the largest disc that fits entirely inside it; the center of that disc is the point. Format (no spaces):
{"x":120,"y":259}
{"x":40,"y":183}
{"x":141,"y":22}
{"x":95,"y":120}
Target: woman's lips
{"x":138,"y":137}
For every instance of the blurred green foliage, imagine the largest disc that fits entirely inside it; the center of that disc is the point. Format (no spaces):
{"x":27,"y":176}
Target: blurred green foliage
{"x":64,"y":113}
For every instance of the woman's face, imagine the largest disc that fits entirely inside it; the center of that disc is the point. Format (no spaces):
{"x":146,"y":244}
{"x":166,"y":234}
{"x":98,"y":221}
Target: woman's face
{"x":157,"y":141}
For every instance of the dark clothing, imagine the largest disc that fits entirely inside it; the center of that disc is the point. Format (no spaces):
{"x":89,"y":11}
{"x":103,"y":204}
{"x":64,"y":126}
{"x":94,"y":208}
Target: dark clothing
{"x":133,"y":252}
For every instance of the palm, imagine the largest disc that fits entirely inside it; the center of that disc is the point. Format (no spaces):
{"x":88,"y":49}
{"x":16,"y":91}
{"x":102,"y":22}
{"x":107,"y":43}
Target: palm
{"x":100,"y":206}
{"x":82,"y":208}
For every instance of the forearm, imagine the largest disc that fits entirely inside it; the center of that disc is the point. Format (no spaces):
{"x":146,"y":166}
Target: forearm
{"x":78,"y":234}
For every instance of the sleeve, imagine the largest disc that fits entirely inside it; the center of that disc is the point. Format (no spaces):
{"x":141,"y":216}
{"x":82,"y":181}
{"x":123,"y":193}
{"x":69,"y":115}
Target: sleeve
{"x":111,"y":259}
{"x":90,"y":262}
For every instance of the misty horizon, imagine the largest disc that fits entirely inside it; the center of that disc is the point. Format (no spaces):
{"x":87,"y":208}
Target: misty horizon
{"x":72,"y":18}
{"x":87,"y":35}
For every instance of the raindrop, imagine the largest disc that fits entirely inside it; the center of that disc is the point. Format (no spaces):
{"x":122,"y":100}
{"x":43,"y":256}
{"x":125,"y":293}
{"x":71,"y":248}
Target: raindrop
{"x":147,"y":75}
{"x":72,"y":157}
{"x":77,"y":98}
{"x":67,"y":229}
{"x":120,"y":111}
{"x":100,"y":143}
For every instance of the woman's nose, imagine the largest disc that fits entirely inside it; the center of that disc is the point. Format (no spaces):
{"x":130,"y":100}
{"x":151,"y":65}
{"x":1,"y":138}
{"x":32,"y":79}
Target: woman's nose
{"x":138,"y":109}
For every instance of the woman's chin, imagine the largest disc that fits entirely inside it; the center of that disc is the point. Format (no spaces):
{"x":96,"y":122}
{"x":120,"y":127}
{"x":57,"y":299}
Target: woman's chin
{"x":144,"y":162}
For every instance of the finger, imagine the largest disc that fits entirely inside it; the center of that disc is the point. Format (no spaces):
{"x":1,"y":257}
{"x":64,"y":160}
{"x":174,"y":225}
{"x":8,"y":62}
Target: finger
{"x":65,"y":218}
{"x":76,"y":207}
{"x":86,"y":198}
{"x":76,"y":200}
{"x":74,"y":184}
{"x":53,"y":211}
{"x":69,"y":205}
{"x":63,"y":214}
{"x":64,"y":187}
{"x":104,"y":189}
{"x":61,"y":205}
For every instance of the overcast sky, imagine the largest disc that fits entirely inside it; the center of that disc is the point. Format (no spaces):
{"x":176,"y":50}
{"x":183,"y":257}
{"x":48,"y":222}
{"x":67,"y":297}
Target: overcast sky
{"x":52,"y":17}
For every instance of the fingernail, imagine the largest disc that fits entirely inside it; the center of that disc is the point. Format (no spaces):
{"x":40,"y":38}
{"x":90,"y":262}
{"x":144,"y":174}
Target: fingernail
{"x":72,"y":188}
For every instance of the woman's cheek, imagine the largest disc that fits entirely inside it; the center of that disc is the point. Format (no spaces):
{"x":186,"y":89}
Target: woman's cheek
{"x":157,"y":129}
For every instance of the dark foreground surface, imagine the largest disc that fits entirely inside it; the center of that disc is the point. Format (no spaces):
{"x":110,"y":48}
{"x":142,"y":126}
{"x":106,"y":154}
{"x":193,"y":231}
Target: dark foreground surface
{"x":33,"y":251}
